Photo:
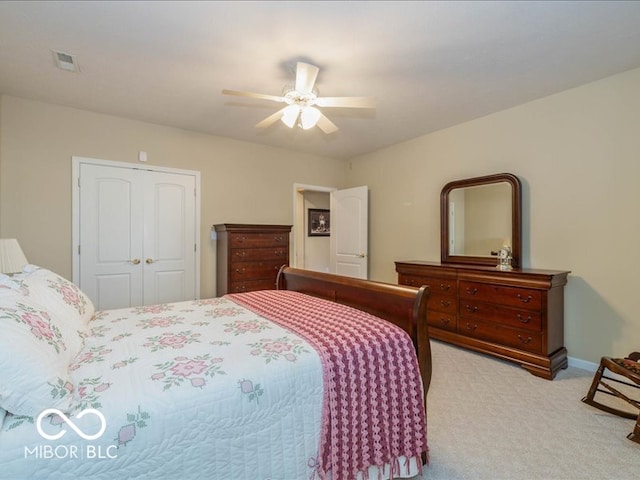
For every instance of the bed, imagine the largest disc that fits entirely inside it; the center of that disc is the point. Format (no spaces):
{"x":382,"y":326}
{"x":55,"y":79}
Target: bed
{"x":323,"y":377}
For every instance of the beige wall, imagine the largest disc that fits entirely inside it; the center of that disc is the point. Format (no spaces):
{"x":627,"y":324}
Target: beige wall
{"x":577,"y":154}
{"x":241,"y":182}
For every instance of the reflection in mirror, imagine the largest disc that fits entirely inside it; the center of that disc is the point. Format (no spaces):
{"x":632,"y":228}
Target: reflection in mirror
{"x":480,"y":219}
{"x":479,"y":216}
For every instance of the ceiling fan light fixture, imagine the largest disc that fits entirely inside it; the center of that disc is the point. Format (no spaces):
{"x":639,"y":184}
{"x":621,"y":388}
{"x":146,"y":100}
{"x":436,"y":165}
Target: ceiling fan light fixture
{"x":309,"y":117}
{"x":301,"y":99}
{"x":290,"y":115}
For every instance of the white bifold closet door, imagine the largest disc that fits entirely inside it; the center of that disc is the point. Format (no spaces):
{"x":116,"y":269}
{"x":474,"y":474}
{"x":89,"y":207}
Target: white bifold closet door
{"x":137,"y":232}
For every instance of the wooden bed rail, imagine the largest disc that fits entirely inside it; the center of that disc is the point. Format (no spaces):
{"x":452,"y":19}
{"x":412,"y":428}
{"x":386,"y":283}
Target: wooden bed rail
{"x":403,"y":306}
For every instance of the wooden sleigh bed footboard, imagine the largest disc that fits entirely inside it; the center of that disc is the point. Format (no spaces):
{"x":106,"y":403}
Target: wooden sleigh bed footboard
{"x":401,"y":305}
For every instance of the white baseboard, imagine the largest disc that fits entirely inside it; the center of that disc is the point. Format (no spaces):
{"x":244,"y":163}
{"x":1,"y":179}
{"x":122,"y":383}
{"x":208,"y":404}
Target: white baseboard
{"x":582,"y":364}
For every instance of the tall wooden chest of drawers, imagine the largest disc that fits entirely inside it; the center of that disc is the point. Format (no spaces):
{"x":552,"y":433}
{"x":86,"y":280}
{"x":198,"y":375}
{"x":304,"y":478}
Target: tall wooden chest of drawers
{"x":249,"y":256}
{"x":516,"y":315}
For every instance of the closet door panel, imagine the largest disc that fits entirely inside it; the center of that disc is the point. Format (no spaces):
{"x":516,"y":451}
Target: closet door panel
{"x":110,"y":236}
{"x":169,"y":237}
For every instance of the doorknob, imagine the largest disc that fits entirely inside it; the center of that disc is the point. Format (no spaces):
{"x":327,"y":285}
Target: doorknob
{"x":362,"y":255}
{"x":149,"y":260}
{"x":135,"y":261}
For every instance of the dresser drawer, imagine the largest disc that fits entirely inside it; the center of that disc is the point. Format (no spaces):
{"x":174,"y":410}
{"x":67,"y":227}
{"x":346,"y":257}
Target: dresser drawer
{"x":511,"y":296}
{"x":515,"y":317}
{"x":251,"y":285}
{"x":442,"y":303}
{"x":255,"y":270}
{"x":436,"y":285}
{"x":495,"y":332}
{"x":442,"y":320}
{"x":258,"y":239}
{"x":263,"y":253}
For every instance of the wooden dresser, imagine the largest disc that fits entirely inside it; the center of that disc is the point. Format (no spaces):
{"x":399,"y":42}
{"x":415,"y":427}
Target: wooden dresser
{"x":249,"y":256}
{"x":516,"y":315}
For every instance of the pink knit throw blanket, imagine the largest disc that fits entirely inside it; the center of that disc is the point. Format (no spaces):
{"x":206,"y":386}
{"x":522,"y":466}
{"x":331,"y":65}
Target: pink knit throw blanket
{"x":372,"y":410}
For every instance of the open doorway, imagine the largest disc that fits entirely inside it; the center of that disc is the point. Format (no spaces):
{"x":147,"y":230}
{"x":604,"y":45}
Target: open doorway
{"x":308,"y":251}
{"x":344,"y":249}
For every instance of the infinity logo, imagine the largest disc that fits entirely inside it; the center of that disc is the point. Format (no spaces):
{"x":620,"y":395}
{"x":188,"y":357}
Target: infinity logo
{"x":66,"y":419}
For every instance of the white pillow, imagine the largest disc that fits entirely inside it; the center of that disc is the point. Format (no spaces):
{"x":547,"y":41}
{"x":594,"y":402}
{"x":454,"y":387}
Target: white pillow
{"x":58,"y":294}
{"x":34,"y":357}
{"x":64,"y":301}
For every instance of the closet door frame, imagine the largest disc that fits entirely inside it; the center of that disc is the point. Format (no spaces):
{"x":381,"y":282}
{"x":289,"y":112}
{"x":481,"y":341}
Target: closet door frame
{"x":75,"y":208}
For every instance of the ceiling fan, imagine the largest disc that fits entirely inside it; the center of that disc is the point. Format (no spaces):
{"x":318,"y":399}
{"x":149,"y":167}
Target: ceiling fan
{"x":302,"y":101}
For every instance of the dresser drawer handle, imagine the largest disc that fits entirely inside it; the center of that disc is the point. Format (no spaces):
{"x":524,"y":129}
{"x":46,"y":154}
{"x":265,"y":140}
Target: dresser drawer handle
{"x":471,"y":308}
{"x":278,"y":239}
{"x":278,"y":253}
{"x":445,"y":303}
{"x":472,"y":327}
{"x":445,"y":287}
{"x":523,"y":340}
{"x":472,"y":291}
{"x":444,"y":321}
{"x":524,"y":300}
{"x":240,"y":271}
{"x":524,"y":320}
{"x":241,"y":253}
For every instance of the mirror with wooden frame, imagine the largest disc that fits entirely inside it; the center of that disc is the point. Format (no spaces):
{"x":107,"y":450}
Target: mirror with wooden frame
{"x":478,"y":217}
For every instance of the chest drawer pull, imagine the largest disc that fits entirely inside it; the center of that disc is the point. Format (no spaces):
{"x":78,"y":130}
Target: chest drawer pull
{"x":472,"y":291}
{"x":241,"y":253}
{"x":523,"y":340}
{"x":445,"y":303}
{"x":523,"y":319}
{"x":471,"y":308}
{"x":472,"y":327}
{"x":524,"y":300}
{"x":240,"y":270}
{"x":445,"y":287}
{"x":444,"y":321}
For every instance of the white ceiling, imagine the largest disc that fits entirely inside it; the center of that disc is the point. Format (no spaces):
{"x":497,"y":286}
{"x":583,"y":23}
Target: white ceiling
{"x":430,"y":65}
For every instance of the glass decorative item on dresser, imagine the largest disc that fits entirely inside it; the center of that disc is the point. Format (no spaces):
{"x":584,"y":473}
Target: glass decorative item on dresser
{"x":504,"y":258}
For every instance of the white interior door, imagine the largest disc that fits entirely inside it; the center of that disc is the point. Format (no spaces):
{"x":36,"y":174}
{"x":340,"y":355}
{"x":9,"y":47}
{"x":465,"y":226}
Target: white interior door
{"x":169,"y":237}
{"x":111,"y":214}
{"x":349,"y":232}
{"x":137,"y":234}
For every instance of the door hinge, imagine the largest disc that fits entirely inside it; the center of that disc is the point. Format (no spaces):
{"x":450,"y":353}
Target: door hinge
{"x":78,"y":249}
{"x":195,"y":246}
{"x":78,"y":182}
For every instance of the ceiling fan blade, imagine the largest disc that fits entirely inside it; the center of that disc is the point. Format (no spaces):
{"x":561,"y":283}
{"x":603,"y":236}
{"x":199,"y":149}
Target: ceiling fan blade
{"x":262,"y":96}
{"x":349,"y":102}
{"x":326,"y":125}
{"x":271,"y":119}
{"x":306,"y":75}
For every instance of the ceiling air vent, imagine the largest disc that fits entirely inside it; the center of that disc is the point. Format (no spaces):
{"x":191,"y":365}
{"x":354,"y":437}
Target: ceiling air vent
{"x":66,"y":61}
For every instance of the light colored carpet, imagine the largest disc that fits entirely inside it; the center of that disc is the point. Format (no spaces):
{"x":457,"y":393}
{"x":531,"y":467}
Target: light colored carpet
{"x":489,"y":419}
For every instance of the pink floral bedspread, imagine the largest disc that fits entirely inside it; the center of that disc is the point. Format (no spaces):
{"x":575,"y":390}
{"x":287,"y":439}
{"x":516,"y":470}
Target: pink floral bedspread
{"x":211,"y":388}
{"x":373,"y":400}
{"x":190,"y":389}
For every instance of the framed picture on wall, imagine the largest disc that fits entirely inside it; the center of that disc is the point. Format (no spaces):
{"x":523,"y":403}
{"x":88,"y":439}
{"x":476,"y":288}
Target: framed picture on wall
{"x":319,"y":224}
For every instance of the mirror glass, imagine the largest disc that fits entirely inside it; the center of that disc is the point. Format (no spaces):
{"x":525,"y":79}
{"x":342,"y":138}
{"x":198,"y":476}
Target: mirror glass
{"x":479,"y":216}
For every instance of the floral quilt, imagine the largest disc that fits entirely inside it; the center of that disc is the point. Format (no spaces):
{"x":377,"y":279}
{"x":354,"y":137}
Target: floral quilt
{"x":183,"y":390}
